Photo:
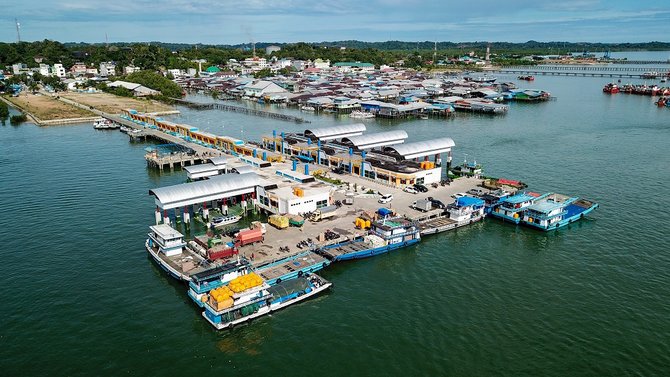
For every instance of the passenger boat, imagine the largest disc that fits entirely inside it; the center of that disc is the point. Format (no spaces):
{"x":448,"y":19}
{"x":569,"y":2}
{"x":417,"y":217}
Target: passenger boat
{"x":166,"y":247}
{"x":224,"y":220}
{"x":493,"y":199}
{"x":556,"y":211}
{"x":234,"y":304}
{"x":526,"y":78}
{"x":384,"y":236}
{"x":511,"y":208}
{"x":361,"y":115}
{"x":466,"y":210}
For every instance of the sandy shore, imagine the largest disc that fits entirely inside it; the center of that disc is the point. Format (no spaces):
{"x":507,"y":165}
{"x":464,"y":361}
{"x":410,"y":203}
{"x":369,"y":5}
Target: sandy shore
{"x":112,"y":104}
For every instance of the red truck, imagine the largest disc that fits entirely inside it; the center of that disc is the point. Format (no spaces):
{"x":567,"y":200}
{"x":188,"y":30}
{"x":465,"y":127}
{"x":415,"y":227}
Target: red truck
{"x":219,"y":252}
{"x":249,"y":236}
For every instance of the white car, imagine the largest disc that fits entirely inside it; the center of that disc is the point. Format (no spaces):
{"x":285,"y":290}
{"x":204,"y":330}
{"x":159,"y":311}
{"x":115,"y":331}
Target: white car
{"x":459,"y":195}
{"x":410,"y":189}
{"x":385,"y":198}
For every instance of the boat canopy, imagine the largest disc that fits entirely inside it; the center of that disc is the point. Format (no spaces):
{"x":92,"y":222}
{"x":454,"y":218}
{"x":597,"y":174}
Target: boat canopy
{"x":409,"y":151}
{"x":467,"y":201}
{"x":215,"y":188}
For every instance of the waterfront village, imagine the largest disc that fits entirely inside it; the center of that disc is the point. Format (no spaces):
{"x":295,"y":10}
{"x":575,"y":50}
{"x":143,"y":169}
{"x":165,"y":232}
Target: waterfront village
{"x":255,"y":219}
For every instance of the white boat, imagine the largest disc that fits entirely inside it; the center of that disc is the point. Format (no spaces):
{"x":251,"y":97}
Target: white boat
{"x":224,"y":220}
{"x":307,"y":108}
{"x":104,"y":124}
{"x":361,"y":115}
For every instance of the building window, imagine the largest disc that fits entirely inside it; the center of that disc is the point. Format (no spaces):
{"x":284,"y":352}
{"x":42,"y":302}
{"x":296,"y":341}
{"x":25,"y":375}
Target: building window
{"x":322,"y":203}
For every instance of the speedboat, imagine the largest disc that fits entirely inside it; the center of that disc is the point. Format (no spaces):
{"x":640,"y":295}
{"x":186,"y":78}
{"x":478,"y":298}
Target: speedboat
{"x":224,"y":220}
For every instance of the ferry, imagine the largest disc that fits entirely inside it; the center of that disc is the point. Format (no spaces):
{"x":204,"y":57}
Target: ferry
{"x":166,"y":247}
{"x":556,"y":211}
{"x":234,"y":304}
{"x":384,"y":236}
{"x":511,"y":208}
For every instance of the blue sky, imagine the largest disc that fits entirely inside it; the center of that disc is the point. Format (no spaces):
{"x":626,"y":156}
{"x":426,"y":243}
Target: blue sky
{"x":243,"y":21}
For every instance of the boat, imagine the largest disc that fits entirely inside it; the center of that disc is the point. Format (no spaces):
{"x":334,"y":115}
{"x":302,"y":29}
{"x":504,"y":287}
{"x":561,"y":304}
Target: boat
{"x":650,"y":75}
{"x":611,"y":88}
{"x":493,"y":199}
{"x":526,"y":78}
{"x":104,"y":124}
{"x":485,"y":79}
{"x":167,"y":248}
{"x":223,"y":220}
{"x":308,"y":108}
{"x":423,"y":116}
{"x":203,"y":282}
{"x":384,"y":236}
{"x":357,"y":114}
{"x":556,"y":211}
{"x":466,"y":210}
{"x":231,"y":305}
{"x":511,"y":208}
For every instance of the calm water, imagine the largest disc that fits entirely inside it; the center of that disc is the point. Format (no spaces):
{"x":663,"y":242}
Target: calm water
{"x":80,"y":296}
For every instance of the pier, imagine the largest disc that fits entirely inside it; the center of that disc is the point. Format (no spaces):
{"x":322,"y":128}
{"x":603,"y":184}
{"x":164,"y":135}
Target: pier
{"x":242,"y":110}
{"x":586,"y":71}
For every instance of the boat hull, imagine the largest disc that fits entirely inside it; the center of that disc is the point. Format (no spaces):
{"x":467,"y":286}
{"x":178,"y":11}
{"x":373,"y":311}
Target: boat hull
{"x":375,"y":251}
{"x":164,"y":265}
{"x":563,"y":222}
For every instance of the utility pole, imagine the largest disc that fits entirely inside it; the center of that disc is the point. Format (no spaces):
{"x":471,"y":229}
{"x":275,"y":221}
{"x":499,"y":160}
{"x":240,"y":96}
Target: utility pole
{"x":18,"y":30}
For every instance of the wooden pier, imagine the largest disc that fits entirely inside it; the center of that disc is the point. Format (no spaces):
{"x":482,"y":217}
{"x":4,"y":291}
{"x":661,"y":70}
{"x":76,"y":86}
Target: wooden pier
{"x":586,"y":71}
{"x":242,"y":110}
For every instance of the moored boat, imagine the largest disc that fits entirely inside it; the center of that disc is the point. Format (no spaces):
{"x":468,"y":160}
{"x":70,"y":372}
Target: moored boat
{"x":104,"y":124}
{"x":166,"y":247}
{"x":611,"y":88}
{"x":224,"y":220}
{"x":384,"y":236}
{"x":234,"y":304}
{"x":205,"y":281}
{"x":556,"y":211}
{"x":526,"y":78}
{"x":511,"y":208}
{"x":357,"y":114}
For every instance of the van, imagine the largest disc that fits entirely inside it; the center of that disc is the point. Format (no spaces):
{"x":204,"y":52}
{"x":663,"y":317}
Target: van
{"x":385,"y":198}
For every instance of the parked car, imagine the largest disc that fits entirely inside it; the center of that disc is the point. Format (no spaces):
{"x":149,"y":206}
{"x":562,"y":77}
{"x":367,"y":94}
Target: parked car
{"x":339,"y":170}
{"x":410,"y":189}
{"x":437,"y":203}
{"x":478,"y":191}
{"x":459,"y":195}
{"x":385,"y":198}
{"x":420,"y":188}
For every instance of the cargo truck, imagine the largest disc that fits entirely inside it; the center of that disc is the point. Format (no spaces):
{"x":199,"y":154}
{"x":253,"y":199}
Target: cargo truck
{"x":324,"y":213}
{"x":249,"y":236}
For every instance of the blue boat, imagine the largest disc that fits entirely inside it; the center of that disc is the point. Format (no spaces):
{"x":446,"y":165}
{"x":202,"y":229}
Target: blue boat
{"x":511,"y":209}
{"x":203,"y":282}
{"x":261,"y":300}
{"x":384,"y":236}
{"x":493,"y":199}
{"x":272,"y":273}
{"x":556,"y":211}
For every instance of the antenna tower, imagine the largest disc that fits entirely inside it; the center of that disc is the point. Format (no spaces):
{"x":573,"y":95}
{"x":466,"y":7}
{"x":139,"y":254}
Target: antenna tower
{"x":18,"y":30}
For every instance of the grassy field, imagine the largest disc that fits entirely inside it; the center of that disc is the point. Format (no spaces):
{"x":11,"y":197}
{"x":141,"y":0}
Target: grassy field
{"x":45,"y":107}
{"x":110,"y":103}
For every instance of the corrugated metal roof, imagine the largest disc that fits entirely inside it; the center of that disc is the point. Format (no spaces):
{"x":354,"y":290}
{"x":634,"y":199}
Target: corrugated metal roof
{"x":201,"y":168}
{"x":217,"y":187}
{"x":378,"y":139}
{"x":244,"y":169}
{"x":422,"y":148}
{"x":336,"y":132}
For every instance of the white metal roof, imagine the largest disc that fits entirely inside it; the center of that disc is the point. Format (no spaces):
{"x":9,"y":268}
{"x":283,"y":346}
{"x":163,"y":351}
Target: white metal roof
{"x":378,"y":139}
{"x":203,"y":170}
{"x":422,"y":148}
{"x":218,"y":187}
{"x":336,"y":132}
{"x":219,"y":161}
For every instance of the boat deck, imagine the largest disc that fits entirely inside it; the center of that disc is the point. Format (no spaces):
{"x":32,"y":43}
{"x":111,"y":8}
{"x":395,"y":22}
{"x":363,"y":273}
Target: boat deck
{"x":346,"y":248}
{"x":578,"y":207}
{"x":308,"y":262}
{"x":438,"y":225}
{"x":187,"y":263}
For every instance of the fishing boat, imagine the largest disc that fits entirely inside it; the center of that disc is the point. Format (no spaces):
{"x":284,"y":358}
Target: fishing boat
{"x":511,"y":208}
{"x":466,"y":210}
{"x":223,"y":221}
{"x":526,"y":78}
{"x":384,"y":236}
{"x":357,"y":114}
{"x":167,"y":248}
{"x":238,"y":302}
{"x":556,"y":211}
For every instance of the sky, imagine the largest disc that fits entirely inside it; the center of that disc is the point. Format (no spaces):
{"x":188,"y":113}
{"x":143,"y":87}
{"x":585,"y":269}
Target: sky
{"x":246,"y":21}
